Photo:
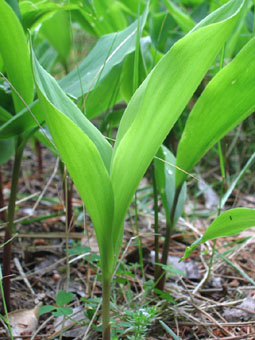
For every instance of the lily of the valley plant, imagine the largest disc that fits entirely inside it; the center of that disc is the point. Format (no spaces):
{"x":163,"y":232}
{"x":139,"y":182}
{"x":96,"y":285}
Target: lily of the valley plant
{"x":107,"y":177}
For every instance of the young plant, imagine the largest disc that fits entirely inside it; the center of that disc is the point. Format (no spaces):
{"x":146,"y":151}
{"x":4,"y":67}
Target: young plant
{"x":62,"y":299}
{"x":13,"y":42}
{"x":106,"y":176}
{"x":207,"y":124}
{"x":226,"y":101}
{"x":139,"y":321}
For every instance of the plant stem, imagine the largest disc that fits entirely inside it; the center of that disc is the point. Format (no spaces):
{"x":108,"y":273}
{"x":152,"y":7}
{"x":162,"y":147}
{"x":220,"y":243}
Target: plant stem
{"x":169,"y":229}
{"x":67,"y":185}
{"x":2,"y":213}
{"x":156,"y":231}
{"x":106,"y":309}
{"x":139,"y":244}
{"x":9,"y":227}
{"x":38,"y":151}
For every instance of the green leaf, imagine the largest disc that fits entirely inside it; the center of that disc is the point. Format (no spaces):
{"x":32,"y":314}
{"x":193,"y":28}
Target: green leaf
{"x":12,"y":44}
{"x":22,"y":121}
{"x":103,"y":16}
{"x":76,"y":139}
{"x":15,"y":6}
{"x":109,"y":51}
{"x":92,"y":75}
{"x":183,"y":20}
{"x":34,"y":15}
{"x":165,"y":180}
{"x":63,"y":311}
{"x":57,"y":31}
{"x":46,"y":309}
{"x":229,"y":223}
{"x":7,"y":148}
{"x":227,"y":100}
{"x":63,"y":297}
{"x":55,"y":95}
{"x":4,"y":115}
{"x":159,"y":101}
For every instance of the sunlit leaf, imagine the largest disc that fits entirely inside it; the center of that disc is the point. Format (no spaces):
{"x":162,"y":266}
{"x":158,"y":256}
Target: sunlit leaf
{"x":227,"y":100}
{"x":13,"y":43}
{"x":160,"y":100}
{"x":229,"y":223}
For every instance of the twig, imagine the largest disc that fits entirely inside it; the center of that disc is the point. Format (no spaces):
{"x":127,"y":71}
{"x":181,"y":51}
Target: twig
{"x":23,"y":275}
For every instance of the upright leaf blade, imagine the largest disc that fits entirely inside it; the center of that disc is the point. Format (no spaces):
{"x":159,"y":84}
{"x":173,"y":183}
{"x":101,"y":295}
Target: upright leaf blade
{"x":158,"y":103}
{"x":110,"y":50}
{"x":12,"y":44}
{"x":56,"y":96}
{"x":57,"y":30}
{"x":227,"y":100}
{"x":83,"y":161}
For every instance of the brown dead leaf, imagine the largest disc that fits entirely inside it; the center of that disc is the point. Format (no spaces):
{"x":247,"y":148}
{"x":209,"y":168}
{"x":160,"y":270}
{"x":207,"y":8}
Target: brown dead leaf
{"x":24,"y":321}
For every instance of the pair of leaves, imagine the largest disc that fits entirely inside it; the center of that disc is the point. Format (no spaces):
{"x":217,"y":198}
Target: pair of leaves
{"x":63,"y":298}
{"x":151,"y":113}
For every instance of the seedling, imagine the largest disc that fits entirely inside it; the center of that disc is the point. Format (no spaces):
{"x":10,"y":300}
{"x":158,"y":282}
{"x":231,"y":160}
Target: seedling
{"x":62,"y":299}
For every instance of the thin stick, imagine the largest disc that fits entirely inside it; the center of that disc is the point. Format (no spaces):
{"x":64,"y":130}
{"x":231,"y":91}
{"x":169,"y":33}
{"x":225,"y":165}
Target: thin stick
{"x":23,"y":275}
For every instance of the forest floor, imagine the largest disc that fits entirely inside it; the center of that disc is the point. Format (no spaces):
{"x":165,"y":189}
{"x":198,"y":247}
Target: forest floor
{"x":222,"y":307}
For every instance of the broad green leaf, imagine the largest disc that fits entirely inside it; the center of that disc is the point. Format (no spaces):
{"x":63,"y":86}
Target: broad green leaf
{"x":22,"y":121}
{"x":103,"y":16}
{"x":34,"y":15}
{"x":229,"y":223}
{"x":105,"y":95}
{"x":127,"y":88}
{"x":60,"y":311}
{"x":158,"y":103}
{"x":51,"y":90}
{"x":7,"y":149}
{"x":164,"y":165}
{"x":81,"y":156}
{"x":57,"y":31}
{"x":238,"y":34}
{"x":45,"y":54}
{"x":227,"y":100}
{"x":46,"y":309}
{"x":63,"y":297}
{"x":12,"y":44}
{"x":160,"y":25}
{"x":109,"y":51}
{"x":185,"y":22}
{"x":4,"y":115}
{"x":15,"y":6}
{"x":91,"y":76}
